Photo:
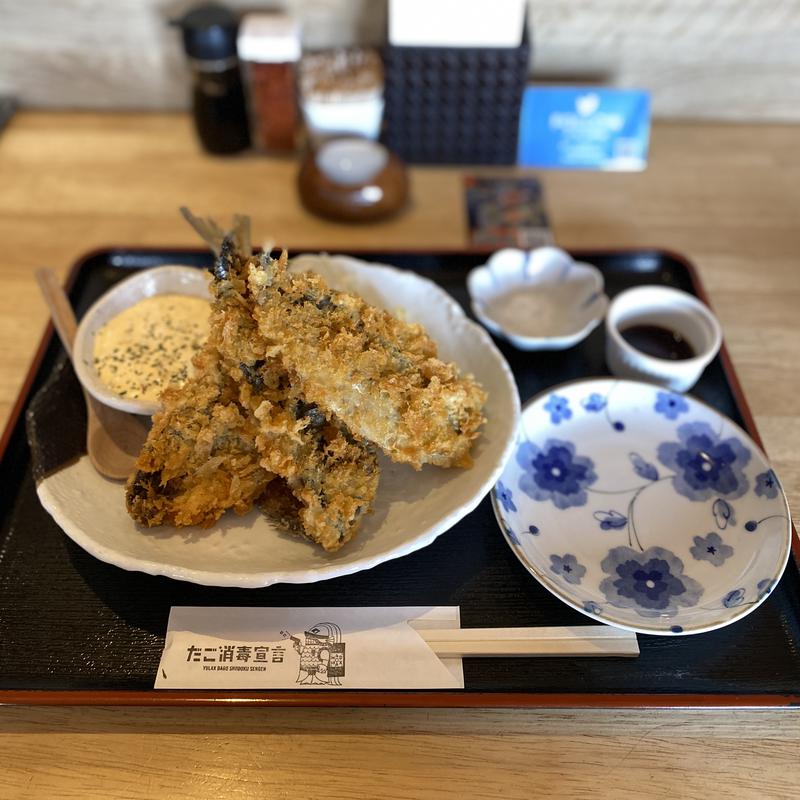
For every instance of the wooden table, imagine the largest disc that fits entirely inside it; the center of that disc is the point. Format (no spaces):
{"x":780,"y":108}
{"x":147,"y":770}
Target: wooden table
{"x":726,"y":196}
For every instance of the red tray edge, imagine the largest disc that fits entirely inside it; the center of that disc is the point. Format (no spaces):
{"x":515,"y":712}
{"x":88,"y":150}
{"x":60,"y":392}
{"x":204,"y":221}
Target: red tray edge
{"x":393,"y":699}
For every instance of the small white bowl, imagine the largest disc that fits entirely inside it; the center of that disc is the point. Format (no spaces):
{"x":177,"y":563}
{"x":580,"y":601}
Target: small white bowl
{"x":148,"y":283}
{"x":667,"y":308}
{"x":539,"y":299}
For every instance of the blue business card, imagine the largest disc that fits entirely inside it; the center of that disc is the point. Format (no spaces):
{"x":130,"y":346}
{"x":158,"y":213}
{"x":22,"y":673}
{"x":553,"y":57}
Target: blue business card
{"x":584,"y":128}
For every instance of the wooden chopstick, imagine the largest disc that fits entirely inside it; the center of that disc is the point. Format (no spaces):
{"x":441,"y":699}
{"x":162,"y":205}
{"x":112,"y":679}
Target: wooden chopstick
{"x":60,"y":310}
{"x":584,"y":640}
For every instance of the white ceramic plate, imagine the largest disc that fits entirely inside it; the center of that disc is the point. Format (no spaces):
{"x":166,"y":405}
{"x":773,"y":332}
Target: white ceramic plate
{"x":411,"y":508}
{"x":641,"y":508}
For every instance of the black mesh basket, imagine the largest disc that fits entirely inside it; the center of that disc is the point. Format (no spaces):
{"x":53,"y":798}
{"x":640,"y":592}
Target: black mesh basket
{"x":450,"y":105}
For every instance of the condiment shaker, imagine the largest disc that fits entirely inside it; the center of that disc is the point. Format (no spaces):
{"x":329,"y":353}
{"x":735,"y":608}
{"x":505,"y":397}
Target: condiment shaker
{"x":269,"y":48}
{"x":220,"y":115}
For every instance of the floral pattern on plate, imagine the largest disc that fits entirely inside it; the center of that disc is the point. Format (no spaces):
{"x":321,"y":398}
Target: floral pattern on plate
{"x":711,"y":548}
{"x":705,"y":464}
{"x":558,"y":409}
{"x":652,"y":582}
{"x":594,"y":402}
{"x":555,"y":472}
{"x":567,"y":567}
{"x":671,"y":405}
{"x":767,"y":484}
{"x":643,"y":508}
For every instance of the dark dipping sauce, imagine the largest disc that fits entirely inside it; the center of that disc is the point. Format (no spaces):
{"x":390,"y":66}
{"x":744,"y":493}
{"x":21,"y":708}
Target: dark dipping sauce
{"x":653,"y":340}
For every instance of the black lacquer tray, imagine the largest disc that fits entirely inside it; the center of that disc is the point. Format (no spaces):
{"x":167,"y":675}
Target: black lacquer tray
{"x":75,"y":630}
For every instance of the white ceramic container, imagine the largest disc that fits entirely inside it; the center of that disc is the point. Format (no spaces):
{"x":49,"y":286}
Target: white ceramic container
{"x":148,"y":283}
{"x":539,"y":299}
{"x":667,"y":308}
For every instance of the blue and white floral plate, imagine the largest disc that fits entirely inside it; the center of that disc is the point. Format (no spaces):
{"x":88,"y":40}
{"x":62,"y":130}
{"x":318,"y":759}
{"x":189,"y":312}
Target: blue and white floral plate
{"x":641,"y":508}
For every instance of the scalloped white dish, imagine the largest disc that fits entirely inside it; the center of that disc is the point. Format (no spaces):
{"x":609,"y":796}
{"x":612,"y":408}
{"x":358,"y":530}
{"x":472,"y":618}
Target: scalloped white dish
{"x":643,"y":508}
{"x":411,"y":508}
{"x":539,"y":299}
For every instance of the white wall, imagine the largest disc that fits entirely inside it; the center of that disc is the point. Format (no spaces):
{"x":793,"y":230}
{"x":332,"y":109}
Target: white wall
{"x":717,"y":59}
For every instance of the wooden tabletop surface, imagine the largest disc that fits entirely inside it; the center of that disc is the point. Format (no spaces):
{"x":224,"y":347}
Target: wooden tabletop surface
{"x":726,"y":196}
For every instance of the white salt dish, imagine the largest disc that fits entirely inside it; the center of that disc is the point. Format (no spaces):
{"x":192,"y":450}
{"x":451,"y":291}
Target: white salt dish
{"x":667,"y":308}
{"x":147,"y":283}
{"x":539,"y":299}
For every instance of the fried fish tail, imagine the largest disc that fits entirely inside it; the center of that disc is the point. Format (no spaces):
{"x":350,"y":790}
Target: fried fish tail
{"x":378,"y":375}
{"x":200,"y":458}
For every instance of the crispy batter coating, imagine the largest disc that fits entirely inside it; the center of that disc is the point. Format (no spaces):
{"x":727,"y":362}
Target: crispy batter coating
{"x":332,"y":475}
{"x":378,"y":375}
{"x":294,"y":389}
{"x":240,"y":413}
{"x":200,"y":458}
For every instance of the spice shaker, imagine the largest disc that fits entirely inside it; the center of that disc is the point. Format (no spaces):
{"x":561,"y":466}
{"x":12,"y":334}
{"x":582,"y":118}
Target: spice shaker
{"x":220,"y":115}
{"x":269,"y":48}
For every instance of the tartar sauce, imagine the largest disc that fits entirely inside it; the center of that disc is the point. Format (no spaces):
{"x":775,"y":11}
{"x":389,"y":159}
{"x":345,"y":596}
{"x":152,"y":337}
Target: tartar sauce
{"x":151,"y":344}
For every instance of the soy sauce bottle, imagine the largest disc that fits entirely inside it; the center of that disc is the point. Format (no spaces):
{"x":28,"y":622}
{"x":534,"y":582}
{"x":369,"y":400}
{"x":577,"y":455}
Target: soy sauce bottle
{"x":218,"y":104}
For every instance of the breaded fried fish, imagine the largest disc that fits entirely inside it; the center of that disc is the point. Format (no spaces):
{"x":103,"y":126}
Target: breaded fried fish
{"x":331,"y":475}
{"x":378,"y":375}
{"x":200,"y":458}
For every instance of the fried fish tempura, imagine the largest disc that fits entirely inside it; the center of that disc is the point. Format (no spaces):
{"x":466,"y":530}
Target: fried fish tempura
{"x":294,"y":385}
{"x":200,"y":458}
{"x":331,"y":476}
{"x":378,"y":375}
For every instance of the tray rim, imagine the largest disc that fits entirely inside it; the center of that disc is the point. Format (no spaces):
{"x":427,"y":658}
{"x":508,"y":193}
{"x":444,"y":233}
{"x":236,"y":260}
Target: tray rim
{"x":384,"y":698}
{"x":378,"y":698}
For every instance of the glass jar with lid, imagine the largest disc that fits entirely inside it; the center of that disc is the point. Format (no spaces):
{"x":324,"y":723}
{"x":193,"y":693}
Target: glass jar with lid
{"x":269,"y":48}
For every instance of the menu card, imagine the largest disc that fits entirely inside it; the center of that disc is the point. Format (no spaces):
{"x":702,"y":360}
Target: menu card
{"x":584,"y":128}
{"x":306,"y":648}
